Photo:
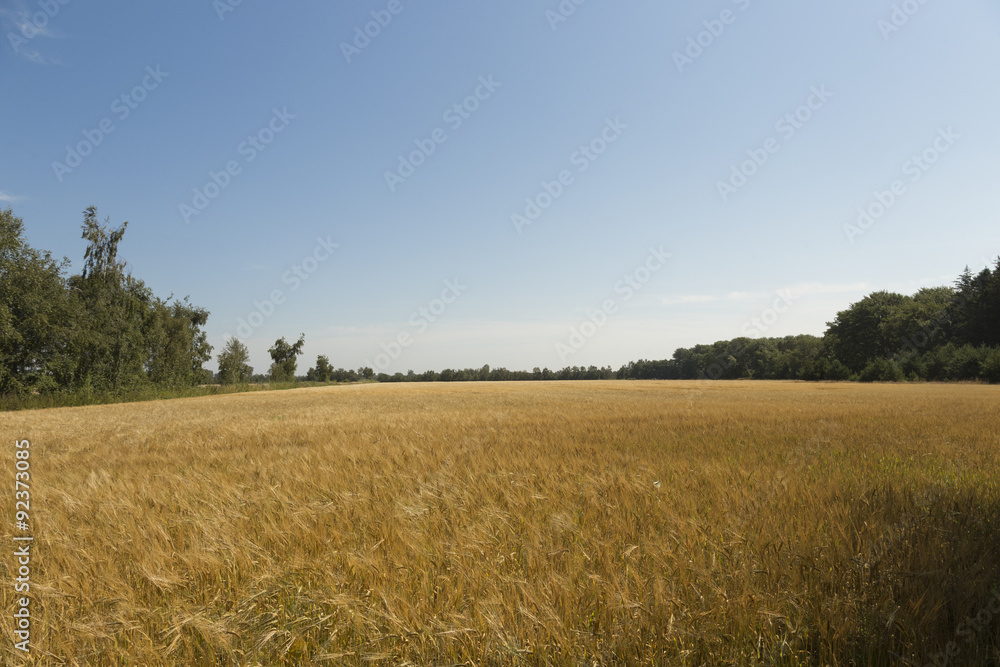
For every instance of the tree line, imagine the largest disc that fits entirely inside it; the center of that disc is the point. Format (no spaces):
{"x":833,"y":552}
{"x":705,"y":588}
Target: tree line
{"x":938,"y":334}
{"x":487,"y":374}
{"x":103,"y":331}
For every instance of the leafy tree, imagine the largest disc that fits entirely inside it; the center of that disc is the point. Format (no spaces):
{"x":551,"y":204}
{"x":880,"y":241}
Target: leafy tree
{"x":177,"y":344}
{"x":918,"y":323}
{"x":284,"y":356}
{"x":864,"y":332}
{"x":110,"y":350}
{"x":37,"y":316}
{"x":233,"y":367}
{"x":324,"y":371}
{"x":102,"y":329}
{"x":990,"y":367}
{"x":976,"y":309}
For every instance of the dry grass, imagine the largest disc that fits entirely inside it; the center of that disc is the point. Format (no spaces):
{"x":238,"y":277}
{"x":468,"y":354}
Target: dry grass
{"x":558,"y":523}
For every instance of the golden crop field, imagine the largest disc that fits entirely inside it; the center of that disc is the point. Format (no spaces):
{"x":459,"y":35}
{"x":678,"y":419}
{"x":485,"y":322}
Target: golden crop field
{"x":655,"y":523}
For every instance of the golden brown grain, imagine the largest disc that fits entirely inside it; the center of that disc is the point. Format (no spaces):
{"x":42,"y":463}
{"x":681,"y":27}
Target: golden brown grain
{"x":521,"y":523}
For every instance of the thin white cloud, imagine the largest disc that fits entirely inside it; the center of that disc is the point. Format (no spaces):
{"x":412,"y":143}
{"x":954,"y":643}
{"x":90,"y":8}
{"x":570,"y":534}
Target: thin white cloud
{"x":796,"y":291}
{"x":23,"y":34}
{"x":805,"y":289}
{"x":692,"y":298}
{"x":8,"y":198}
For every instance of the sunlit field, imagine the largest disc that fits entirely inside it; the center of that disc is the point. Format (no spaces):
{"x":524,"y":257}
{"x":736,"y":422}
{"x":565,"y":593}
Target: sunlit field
{"x":657,"y":523}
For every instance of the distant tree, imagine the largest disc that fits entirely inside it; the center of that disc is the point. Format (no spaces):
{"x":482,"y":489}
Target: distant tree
{"x":866,"y":332}
{"x":284,"y":360}
{"x":233,"y":367}
{"x":322,"y":372}
{"x":976,"y":308}
{"x":919,"y":322}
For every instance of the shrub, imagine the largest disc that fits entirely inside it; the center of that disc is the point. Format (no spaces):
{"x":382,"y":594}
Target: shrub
{"x":989,"y":367}
{"x":882,"y":370}
{"x":965,"y":363}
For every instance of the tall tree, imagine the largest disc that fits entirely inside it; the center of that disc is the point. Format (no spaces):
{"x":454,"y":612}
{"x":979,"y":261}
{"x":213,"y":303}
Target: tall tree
{"x":322,"y":372}
{"x":110,"y":350}
{"x":233,"y":367}
{"x":284,"y":356}
{"x":976,"y":308}
{"x":863,"y":332}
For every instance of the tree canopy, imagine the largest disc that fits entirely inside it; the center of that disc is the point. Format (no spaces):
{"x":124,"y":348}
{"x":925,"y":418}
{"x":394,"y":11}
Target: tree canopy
{"x":102,"y":329}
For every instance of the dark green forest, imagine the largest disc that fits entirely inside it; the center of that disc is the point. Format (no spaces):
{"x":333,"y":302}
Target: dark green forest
{"x":102,"y":333}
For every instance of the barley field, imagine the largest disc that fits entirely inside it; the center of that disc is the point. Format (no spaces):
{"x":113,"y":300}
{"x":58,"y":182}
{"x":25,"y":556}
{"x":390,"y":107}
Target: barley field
{"x":607,"y":523}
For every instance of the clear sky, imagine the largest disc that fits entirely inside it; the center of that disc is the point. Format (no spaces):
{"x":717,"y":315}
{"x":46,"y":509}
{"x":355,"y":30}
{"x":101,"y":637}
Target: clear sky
{"x":262,"y":150}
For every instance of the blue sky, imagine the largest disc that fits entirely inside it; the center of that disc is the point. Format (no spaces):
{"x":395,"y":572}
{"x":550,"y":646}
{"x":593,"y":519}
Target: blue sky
{"x":613,"y":120}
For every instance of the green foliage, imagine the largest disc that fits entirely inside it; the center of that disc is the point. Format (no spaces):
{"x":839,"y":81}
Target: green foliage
{"x":869,"y":329}
{"x":323,"y":372}
{"x":100,"y":331}
{"x":37,"y":315}
{"x":975,"y":313}
{"x":284,"y":360}
{"x":176,"y":343}
{"x":104,"y":333}
{"x":990,"y":366}
{"x":882,"y":370}
{"x":233,"y":367}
